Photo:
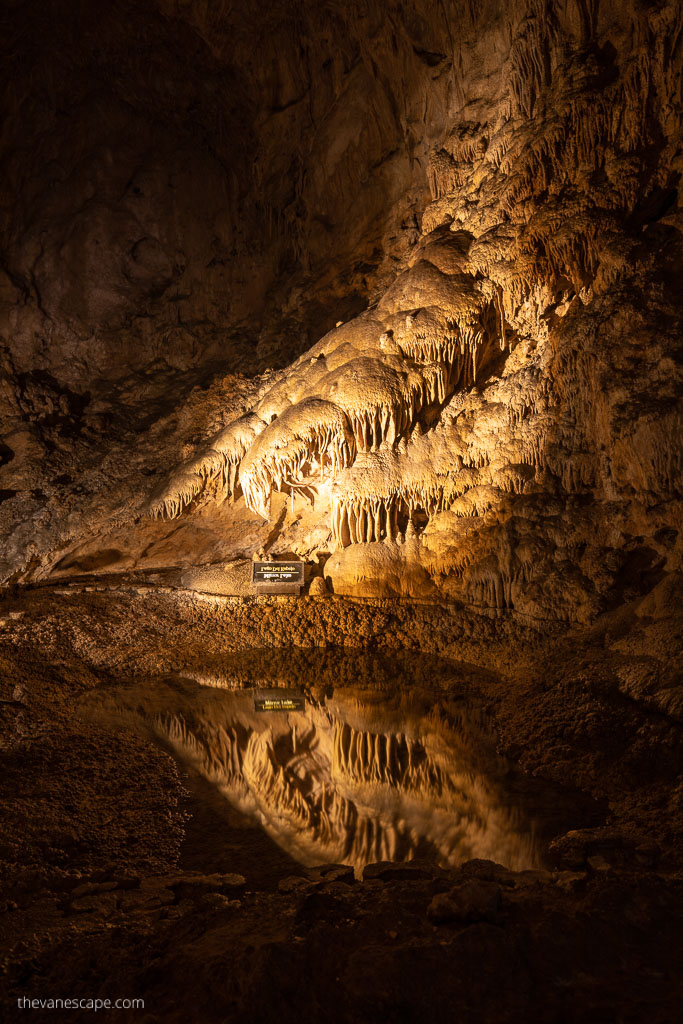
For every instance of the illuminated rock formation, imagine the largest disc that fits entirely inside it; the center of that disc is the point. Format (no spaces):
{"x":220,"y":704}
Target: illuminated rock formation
{"x":497,"y":410}
{"x":472,"y":405}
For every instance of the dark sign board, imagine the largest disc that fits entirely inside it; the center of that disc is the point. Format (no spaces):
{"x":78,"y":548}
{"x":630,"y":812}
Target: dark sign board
{"x":279,"y":700}
{"x":277,"y":572}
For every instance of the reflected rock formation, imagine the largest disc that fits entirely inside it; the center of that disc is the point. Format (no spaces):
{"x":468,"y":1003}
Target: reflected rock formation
{"x":365,"y":773}
{"x":330,"y":785}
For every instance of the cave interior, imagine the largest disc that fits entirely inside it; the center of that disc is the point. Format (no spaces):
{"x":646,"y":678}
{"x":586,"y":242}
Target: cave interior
{"x":391,"y":290}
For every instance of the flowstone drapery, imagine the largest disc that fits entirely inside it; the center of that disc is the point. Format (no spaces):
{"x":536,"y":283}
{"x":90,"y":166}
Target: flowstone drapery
{"x":361,"y":391}
{"x":468,"y":422}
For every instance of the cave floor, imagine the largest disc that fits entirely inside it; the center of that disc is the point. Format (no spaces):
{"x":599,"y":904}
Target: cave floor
{"x":107,"y":890}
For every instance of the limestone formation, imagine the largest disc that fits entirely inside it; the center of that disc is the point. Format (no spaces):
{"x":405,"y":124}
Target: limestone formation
{"x":496,"y":416}
{"x":317,"y":587}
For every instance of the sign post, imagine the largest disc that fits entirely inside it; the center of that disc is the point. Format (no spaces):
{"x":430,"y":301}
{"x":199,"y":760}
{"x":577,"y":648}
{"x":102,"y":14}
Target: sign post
{"x":277,"y":577}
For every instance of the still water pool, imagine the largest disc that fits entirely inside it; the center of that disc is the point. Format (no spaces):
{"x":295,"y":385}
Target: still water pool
{"x":390,"y":757}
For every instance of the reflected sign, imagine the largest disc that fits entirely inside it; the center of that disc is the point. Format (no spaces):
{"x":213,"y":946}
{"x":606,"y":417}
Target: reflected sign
{"x":279,"y":700}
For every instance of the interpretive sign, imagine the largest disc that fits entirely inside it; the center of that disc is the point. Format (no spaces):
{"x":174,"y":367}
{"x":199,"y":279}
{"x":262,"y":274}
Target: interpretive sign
{"x":277,"y":572}
{"x":279,"y":700}
{"x":277,"y":577}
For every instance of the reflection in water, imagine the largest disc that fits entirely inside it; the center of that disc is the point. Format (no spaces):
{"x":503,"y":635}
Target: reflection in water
{"x":374,"y":770}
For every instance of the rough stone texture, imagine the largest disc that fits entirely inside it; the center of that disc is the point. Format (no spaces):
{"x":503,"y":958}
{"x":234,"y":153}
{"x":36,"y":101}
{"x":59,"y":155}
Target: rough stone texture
{"x":501,"y":192}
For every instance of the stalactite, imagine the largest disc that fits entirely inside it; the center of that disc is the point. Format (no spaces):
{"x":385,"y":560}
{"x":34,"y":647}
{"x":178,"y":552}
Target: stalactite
{"x":312,"y":429}
{"x":217,"y":463}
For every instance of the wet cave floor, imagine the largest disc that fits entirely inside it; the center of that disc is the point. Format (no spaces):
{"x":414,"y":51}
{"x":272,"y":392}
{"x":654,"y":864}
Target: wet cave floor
{"x":462,"y":816}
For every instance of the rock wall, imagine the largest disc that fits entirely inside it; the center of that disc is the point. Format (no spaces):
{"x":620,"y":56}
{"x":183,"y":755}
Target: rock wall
{"x":486,"y":203}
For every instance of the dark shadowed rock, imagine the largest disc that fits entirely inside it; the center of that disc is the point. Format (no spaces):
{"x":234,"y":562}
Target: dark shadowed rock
{"x":466,"y":903}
